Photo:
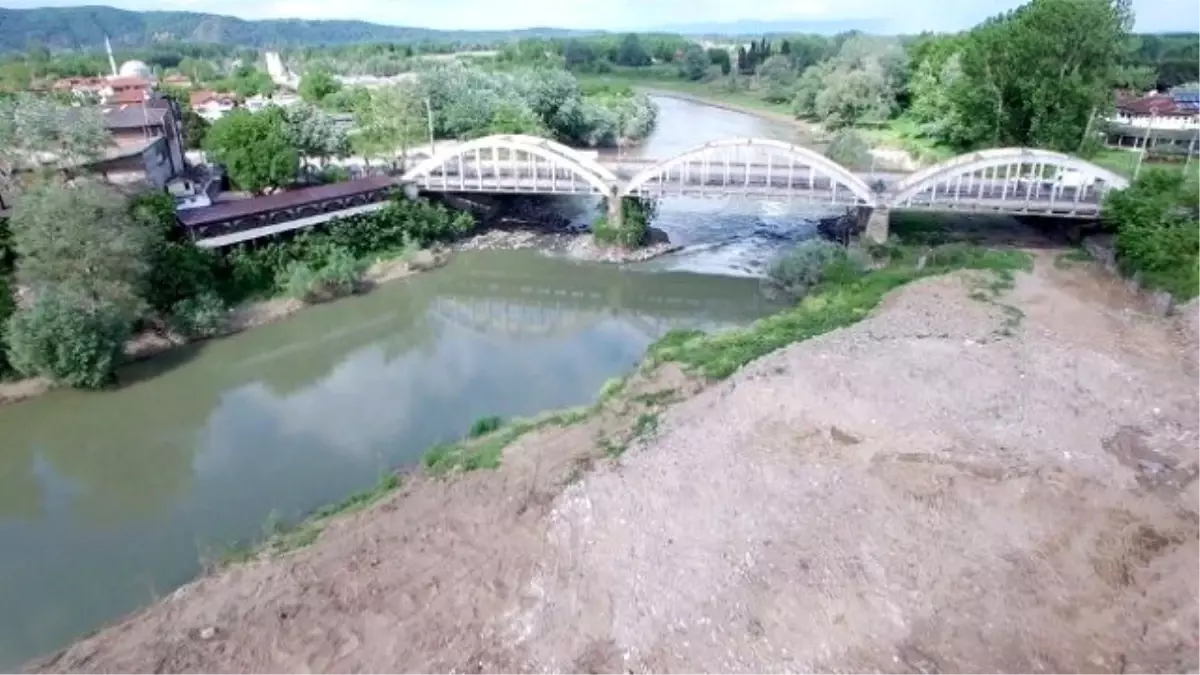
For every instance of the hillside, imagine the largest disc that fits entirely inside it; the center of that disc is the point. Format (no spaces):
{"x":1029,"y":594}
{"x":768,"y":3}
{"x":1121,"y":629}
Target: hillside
{"x":61,"y":28}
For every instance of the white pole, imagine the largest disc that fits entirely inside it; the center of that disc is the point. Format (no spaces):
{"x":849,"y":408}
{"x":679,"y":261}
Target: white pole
{"x":1145,"y":140}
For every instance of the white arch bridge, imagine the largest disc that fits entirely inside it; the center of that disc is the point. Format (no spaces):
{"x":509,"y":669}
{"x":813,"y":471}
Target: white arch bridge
{"x":1002,"y":180}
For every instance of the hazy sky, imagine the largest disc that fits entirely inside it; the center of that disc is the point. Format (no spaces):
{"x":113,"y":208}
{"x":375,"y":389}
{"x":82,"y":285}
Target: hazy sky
{"x":893,"y":15}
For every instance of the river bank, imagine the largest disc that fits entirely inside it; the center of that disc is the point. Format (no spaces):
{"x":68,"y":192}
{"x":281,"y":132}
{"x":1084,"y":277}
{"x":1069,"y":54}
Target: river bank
{"x":769,"y":521}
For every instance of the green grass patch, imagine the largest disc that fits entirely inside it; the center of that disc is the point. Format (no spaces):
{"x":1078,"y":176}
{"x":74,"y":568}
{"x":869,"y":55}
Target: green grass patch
{"x":830,"y":306}
{"x":485,"y":451}
{"x":654,"y":398}
{"x":646,"y":424}
{"x":1125,"y":162}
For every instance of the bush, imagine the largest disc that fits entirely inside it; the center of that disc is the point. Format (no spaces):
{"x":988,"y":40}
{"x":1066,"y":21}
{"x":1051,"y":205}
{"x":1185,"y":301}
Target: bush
{"x":799,"y":270}
{"x":1158,"y":232}
{"x":340,"y":275}
{"x":636,"y":215}
{"x":202,"y":316}
{"x":485,"y":425}
{"x":67,"y":340}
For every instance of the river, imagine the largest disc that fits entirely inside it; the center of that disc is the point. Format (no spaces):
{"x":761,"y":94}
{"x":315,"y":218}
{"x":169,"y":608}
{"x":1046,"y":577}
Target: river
{"x":109,"y":500}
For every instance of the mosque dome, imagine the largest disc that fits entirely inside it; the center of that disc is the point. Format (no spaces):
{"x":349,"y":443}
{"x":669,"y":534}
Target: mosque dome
{"x":136,"y":69}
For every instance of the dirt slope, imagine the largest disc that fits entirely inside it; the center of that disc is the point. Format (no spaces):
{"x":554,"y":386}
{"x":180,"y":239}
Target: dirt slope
{"x":933,"y":489}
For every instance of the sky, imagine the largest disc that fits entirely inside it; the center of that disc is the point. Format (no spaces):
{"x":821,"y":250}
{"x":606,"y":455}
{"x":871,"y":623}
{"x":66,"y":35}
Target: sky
{"x":893,"y":16}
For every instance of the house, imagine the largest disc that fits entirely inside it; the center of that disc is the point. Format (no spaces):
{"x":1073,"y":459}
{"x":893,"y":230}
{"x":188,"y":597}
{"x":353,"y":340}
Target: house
{"x":148,"y":142}
{"x":211,"y":105}
{"x":1166,"y":123}
{"x":125,"y":89}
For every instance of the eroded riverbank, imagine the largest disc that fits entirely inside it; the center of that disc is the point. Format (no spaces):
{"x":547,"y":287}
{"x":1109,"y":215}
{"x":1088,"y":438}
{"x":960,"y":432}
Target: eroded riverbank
{"x":845,"y":503}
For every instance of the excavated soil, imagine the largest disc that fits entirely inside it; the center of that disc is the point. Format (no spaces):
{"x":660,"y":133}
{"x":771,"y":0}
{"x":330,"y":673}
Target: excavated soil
{"x":933,"y":489}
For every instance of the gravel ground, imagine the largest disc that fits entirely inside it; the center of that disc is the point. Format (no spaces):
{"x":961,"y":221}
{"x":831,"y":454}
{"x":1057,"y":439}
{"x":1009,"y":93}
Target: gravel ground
{"x":933,"y":489}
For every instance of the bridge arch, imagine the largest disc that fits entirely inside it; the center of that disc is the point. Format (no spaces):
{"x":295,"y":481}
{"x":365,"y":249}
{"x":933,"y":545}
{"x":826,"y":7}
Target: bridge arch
{"x":519,"y":160}
{"x":801,"y":170}
{"x":1007,"y":174}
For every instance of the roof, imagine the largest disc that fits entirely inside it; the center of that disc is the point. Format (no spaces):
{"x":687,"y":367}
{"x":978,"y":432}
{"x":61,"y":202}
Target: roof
{"x":127,"y":96}
{"x":133,"y":116}
{"x":282,"y":200}
{"x":1160,"y":105}
{"x":128,"y":81}
{"x":205,"y":96}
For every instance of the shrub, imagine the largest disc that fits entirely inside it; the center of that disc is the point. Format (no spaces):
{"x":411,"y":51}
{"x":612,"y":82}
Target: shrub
{"x":202,"y":316}
{"x":63,"y":338}
{"x":340,"y":275}
{"x":799,"y":270}
{"x":1157,"y":232}
{"x":485,"y":425}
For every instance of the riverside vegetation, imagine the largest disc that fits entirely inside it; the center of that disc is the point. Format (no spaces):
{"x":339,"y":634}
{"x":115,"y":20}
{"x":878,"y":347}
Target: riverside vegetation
{"x":99,"y":268}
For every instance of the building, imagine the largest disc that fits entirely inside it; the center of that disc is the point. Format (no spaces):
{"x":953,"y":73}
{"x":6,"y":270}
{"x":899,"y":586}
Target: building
{"x":1161,"y":123}
{"x":211,"y":105}
{"x":147,"y":143}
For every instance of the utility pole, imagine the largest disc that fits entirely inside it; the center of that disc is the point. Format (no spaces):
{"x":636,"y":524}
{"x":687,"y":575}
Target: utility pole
{"x":1145,"y":141}
{"x":429,"y":116}
{"x":1191,"y":148}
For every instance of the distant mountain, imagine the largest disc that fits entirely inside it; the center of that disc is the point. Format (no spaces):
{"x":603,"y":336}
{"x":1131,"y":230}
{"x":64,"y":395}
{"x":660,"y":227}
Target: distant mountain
{"x":85,"y":27}
{"x":752,"y":27}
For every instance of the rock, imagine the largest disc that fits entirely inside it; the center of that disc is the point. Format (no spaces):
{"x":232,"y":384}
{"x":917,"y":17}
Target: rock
{"x":840,"y":229}
{"x":423,"y":260}
{"x":208,"y":632}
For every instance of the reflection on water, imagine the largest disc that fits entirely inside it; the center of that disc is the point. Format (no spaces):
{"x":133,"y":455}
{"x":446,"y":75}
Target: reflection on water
{"x":107,"y":499}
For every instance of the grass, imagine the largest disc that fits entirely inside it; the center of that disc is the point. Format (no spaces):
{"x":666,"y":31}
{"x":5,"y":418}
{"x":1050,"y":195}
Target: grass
{"x":645,"y":425}
{"x":905,"y":134}
{"x":484,"y":451}
{"x":485,"y":425}
{"x":829,"y":307}
{"x":1125,"y":162}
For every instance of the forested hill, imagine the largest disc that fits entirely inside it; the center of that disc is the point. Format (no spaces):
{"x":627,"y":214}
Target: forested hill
{"x":85,"y":27}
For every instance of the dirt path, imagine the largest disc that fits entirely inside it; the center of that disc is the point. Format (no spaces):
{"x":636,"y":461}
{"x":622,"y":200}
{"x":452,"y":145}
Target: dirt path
{"x":933,"y":489}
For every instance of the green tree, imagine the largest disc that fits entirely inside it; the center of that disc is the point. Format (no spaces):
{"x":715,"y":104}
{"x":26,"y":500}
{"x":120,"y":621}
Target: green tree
{"x":631,"y":52}
{"x":37,"y":133}
{"x":68,"y":339}
{"x":694,"y":64}
{"x":195,"y":128}
{"x":313,"y":134}
{"x":81,"y":238}
{"x":578,"y":54}
{"x":778,"y":78}
{"x":720,"y":57}
{"x":1035,"y":76}
{"x":1157,"y":225}
{"x":315,"y":85}
{"x":255,"y":149}
{"x":391,"y":119}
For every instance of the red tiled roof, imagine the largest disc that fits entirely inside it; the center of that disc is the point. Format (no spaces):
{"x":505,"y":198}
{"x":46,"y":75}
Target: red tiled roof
{"x":1158,"y":105}
{"x":282,"y":200}
{"x":124,"y":81}
{"x":127,"y":96}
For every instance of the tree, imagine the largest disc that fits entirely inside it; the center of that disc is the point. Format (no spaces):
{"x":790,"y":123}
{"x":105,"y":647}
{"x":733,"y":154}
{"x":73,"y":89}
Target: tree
{"x":313,"y":134}
{"x":578,"y":54}
{"x":631,"y":52}
{"x":851,"y":97}
{"x":37,"y":133}
{"x":195,"y":128}
{"x":808,"y":87}
{"x":785,"y":48}
{"x":391,"y":119}
{"x":67,"y":339}
{"x":1157,"y":227}
{"x":720,"y":57}
{"x":254,"y":148}
{"x":317,"y":84}
{"x":779,"y":77}
{"x":1035,"y":76}
{"x":80,"y":237}
{"x":694,"y":64}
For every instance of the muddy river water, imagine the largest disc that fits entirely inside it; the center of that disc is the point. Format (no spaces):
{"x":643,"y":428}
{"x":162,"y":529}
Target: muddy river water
{"x":110,"y":499}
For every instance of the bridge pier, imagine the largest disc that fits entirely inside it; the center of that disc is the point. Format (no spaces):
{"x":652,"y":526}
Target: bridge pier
{"x":878,"y":220}
{"x":616,"y":217}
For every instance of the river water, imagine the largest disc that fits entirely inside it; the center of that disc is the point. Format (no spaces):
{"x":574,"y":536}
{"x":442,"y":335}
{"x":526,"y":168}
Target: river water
{"x":111,"y":499}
